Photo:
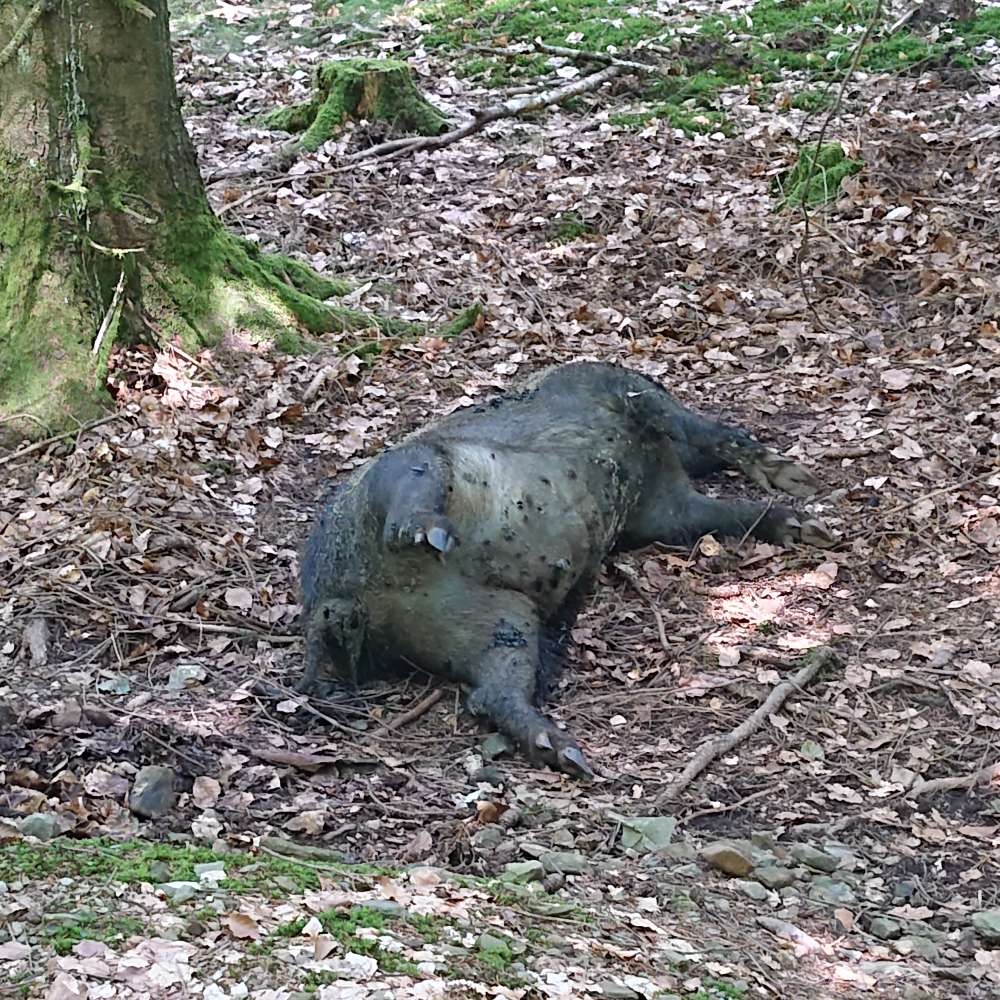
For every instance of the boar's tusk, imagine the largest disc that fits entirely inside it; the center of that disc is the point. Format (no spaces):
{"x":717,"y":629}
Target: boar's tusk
{"x":542,"y":741}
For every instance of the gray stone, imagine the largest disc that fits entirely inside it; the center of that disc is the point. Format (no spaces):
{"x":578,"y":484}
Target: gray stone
{"x":42,"y":826}
{"x":616,"y":991}
{"x":813,"y":857}
{"x":764,"y":840}
{"x":488,"y":775}
{"x":902,"y":891}
{"x":885,"y":928}
{"x":159,"y":871}
{"x":522,"y":872}
{"x":752,"y":890}
{"x":153,"y":792}
{"x":987,"y":924}
{"x":922,"y":947}
{"x":494,"y":745}
{"x":829,"y":890}
{"x":727,"y":857}
{"x":681,"y":851}
{"x":686,"y":871}
{"x":387,"y":906}
{"x":774,"y":876}
{"x":553,"y":882}
{"x":493,"y":944}
{"x":488,"y":837}
{"x":565,"y":862}
{"x":180,"y":892}
{"x":562,"y":838}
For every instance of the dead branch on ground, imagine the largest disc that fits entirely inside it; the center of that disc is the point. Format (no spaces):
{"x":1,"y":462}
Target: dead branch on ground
{"x":513,"y":108}
{"x":814,"y":661}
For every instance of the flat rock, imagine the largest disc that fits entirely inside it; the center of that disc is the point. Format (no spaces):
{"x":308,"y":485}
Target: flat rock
{"x":813,"y":857}
{"x":774,"y":876}
{"x":912,"y":945}
{"x":616,"y":991}
{"x":829,"y":890}
{"x":728,"y":858}
{"x":42,"y":826}
{"x":885,"y":928}
{"x":987,"y":924}
{"x":522,"y":872}
{"x":565,"y":863}
{"x":752,"y":890}
{"x":152,"y":793}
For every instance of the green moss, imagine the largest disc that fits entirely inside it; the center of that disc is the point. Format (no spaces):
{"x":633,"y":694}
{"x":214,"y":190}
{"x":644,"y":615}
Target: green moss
{"x":466,"y":319}
{"x":817,"y":176}
{"x":569,"y":226}
{"x":811,"y":99}
{"x":63,"y":933}
{"x":690,"y":122}
{"x":131,"y":862}
{"x":373,"y":89}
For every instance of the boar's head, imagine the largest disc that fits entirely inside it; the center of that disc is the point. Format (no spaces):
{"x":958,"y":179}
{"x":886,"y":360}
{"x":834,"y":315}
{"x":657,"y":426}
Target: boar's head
{"x":335,"y":636}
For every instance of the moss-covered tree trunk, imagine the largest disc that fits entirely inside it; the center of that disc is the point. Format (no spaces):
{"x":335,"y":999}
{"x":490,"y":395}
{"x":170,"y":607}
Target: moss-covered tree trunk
{"x":105,"y":230}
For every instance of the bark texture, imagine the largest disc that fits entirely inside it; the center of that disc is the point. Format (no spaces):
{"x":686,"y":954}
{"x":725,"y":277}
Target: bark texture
{"x":105,"y":230}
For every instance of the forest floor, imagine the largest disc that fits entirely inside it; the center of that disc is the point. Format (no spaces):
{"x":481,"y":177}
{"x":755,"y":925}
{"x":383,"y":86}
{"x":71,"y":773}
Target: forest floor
{"x":853,"y":841}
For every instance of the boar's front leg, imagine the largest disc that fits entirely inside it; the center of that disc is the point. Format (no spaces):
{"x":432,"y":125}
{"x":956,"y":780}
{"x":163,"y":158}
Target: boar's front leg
{"x":410,"y":487}
{"x":504,"y":681}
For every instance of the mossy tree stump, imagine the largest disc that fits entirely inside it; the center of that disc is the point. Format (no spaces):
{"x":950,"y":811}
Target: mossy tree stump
{"x":106,"y":235}
{"x":369,"y":89}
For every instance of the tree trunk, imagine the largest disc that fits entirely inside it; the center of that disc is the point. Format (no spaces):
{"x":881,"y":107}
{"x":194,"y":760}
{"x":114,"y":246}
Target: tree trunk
{"x":105,"y":231}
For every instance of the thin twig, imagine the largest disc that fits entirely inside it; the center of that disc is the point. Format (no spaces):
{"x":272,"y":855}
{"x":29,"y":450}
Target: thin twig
{"x":633,"y":578}
{"x":815,"y":660}
{"x":404,"y":718}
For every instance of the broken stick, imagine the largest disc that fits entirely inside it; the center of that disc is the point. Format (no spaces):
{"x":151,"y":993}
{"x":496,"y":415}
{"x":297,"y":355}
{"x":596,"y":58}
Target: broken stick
{"x":814,"y":661}
{"x":512,"y":108}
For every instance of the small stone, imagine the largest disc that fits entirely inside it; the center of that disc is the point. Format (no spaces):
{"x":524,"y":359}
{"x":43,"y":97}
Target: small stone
{"x":885,"y":928}
{"x":829,"y":890}
{"x":813,"y":857}
{"x":488,"y":775}
{"x":488,"y":837}
{"x":565,"y":862}
{"x":902,"y":891}
{"x":180,"y":892}
{"x":987,"y":924}
{"x":681,"y":851}
{"x":553,"y":882}
{"x":752,"y":890}
{"x":922,"y":947}
{"x":387,"y":906}
{"x":562,"y":838}
{"x":492,"y":944}
{"x":42,"y":826}
{"x":522,"y":872}
{"x":616,"y":991}
{"x":494,"y":745}
{"x":159,"y":871}
{"x":686,"y":871}
{"x":774,"y":876}
{"x":727,"y":857}
{"x":153,"y":792}
{"x":913,"y":991}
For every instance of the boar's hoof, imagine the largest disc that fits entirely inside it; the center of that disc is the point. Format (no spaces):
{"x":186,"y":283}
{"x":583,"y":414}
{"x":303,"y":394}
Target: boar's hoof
{"x":419,"y":529}
{"x":810,"y":532}
{"x":560,"y":752}
{"x":772,"y":471}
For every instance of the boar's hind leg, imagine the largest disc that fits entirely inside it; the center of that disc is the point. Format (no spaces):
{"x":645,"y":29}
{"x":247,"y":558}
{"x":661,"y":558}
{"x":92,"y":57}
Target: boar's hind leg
{"x":410,"y":486}
{"x":705,"y":446}
{"x":674,"y":513}
{"x":504,"y":685}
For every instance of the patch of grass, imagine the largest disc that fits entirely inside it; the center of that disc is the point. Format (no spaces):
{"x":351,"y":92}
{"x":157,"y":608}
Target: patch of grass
{"x":817,"y":176}
{"x":64,"y":934}
{"x":132,"y":862}
{"x":811,"y":99}
{"x":570,"y":226}
{"x":690,"y":122}
{"x":719,"y":989}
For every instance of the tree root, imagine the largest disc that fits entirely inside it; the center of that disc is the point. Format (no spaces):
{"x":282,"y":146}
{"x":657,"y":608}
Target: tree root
{"x":814,"y":661}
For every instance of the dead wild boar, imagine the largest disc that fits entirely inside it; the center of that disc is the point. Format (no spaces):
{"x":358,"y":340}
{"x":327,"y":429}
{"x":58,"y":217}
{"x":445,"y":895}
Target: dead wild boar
{"x":464,"y":550}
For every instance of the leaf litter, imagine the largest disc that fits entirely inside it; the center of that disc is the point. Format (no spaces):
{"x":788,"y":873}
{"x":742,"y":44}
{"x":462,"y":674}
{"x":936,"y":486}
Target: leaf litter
{"x":149,"y":569}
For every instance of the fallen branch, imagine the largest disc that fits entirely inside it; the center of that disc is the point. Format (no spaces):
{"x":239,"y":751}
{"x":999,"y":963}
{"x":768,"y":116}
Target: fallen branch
{"x":283,"y":848}
{"x":409,"y":715}
{"x":513,"y":108}
{"x":601,"y":57}
{"x":633,"y":578}
{"x":814,"y":661}
{"x":983,"y":775}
